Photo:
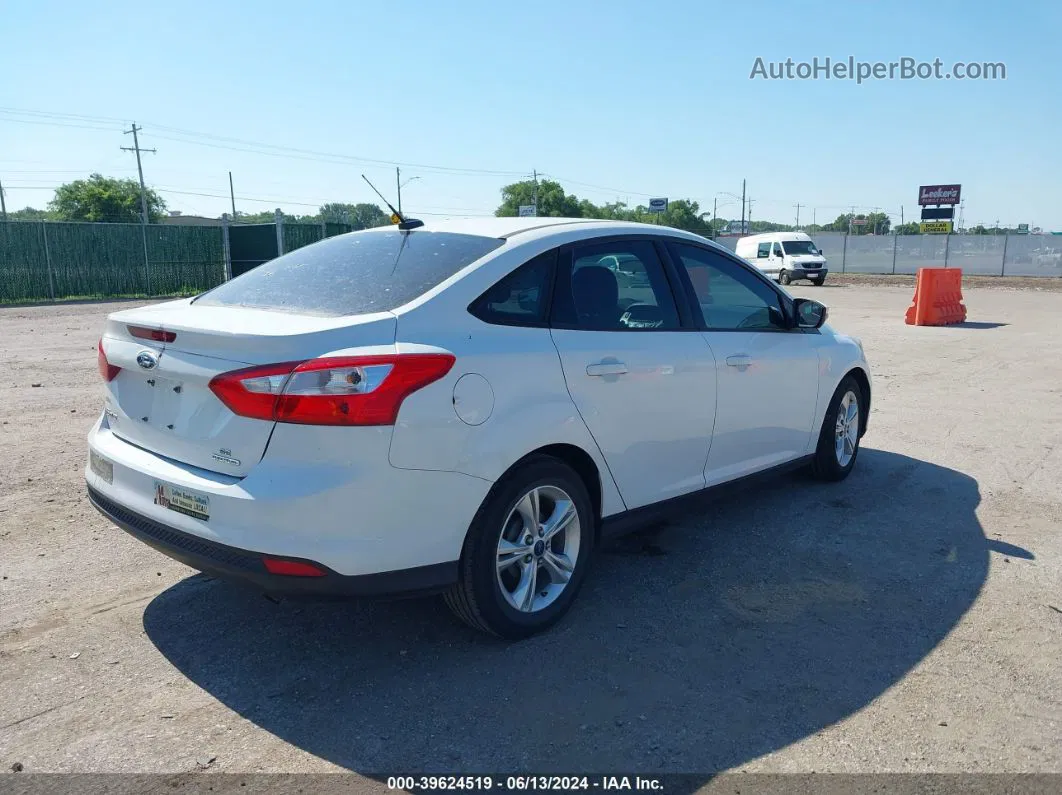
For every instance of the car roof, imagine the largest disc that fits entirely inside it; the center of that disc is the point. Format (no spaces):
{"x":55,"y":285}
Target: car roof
{"x":509,"y":227}
{"x":781,"y":236}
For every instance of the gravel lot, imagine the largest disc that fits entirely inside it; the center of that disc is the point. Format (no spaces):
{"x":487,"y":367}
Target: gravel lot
{"x":909,"y":619}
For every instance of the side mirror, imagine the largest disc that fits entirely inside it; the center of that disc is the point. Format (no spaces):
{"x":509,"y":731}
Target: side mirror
{"x":809,"y":314}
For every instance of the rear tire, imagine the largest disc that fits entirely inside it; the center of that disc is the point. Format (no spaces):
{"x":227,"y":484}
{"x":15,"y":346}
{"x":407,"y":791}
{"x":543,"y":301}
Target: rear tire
{"x":783,"y":277}
{"x":511,"y":588}
{"x":839,"y":436}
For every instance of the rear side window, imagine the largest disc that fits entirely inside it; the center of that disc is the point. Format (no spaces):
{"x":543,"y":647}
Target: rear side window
{"x":353,"y":274}
{"x":763,"y":250}
{"x":522,"y":297}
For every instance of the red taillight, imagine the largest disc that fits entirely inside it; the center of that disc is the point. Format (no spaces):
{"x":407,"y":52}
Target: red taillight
{"x":292,"y":568}
{"x":155,"y":334}
{"x":355,"y":390}
{"x":108,"y":371}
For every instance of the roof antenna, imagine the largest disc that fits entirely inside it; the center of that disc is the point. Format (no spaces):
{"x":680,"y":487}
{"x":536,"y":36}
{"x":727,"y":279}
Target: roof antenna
{"x":405,"y":224}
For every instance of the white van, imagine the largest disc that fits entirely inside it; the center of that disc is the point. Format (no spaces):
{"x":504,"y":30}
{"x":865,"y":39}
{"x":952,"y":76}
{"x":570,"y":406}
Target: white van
{"x":785,"y":256}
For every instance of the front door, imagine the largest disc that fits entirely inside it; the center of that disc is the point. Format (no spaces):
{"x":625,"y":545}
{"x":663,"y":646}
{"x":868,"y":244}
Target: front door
{"x":767,"y":373}
{"x":643,"y":384}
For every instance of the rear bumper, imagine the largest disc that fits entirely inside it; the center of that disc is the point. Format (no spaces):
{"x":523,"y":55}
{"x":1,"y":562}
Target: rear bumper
{"x":246,"y":567}
{"x":324,"y":495}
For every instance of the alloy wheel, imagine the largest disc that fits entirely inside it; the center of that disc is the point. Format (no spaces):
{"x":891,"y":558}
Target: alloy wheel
{"x":538,"y":548}
{"x":846,"y":432}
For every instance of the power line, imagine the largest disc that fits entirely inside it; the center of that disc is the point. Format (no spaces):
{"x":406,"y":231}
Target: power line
{"x":238,"y":144}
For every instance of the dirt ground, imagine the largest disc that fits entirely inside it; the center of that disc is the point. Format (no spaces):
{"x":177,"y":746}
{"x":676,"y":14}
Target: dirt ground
{"x":908,"y":619}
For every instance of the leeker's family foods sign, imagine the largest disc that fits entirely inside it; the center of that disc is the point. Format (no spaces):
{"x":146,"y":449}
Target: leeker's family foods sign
{"x":939,"y":194}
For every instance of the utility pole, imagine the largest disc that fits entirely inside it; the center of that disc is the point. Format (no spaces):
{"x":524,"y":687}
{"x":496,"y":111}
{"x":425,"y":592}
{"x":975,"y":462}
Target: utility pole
{"x":962,"y":208}
{"x":3,"y":204}
{"x":901,"y":215}
{"x":851,"y":217}
{"x":714,"y":214}
{"x":743,"y":207}
{"x":750,"y":216}
{"x":534,"y":193}
{"x":814,"y":215}
{"x":398,"y":182}
{"x":143,"y":199}
{"x":232,"y":195}
{"x":798,"y":216}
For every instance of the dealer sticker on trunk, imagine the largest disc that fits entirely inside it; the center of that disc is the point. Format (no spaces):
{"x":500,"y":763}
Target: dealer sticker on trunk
{"x":187,"y":502}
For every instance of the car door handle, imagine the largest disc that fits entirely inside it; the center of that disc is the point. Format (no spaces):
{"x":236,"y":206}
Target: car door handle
{"x":606,"y":368}
{"x":739,"y":360}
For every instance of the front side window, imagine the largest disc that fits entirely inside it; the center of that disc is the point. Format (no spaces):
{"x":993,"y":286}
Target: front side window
{"x":353,"y":274}
{"x":777,"y":250}
{"x":763,"y":250}
{"x":731,"y":298}
{"x":617,"y":286}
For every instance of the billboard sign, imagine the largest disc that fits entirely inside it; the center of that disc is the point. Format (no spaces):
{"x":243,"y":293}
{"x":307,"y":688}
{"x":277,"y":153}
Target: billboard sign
{"x":528,"y":211}
{"x":938,"y":213}
{"x":1023,"y":229}
{"x":939,"y":194}
{"x":658,"y":205}
{"x":935,"y":228}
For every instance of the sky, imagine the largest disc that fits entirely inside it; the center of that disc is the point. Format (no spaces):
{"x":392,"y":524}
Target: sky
{"x":617,"y":101}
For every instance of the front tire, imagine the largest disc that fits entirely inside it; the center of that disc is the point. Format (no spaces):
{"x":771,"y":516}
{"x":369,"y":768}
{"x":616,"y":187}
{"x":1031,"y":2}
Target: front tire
{"x":818,"y":282}
{"x":527,"y":551}
{"x":839,"y":436}
{"x":783,"y":277}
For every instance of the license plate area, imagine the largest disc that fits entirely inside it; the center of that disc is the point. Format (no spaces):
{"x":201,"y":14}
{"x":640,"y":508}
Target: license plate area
{"x":165,"y":403}
{"x":190,"y":503}
{"x":101,"y":467}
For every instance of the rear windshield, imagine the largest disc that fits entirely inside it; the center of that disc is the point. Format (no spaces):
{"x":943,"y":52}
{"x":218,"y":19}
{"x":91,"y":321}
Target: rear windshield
{"x":353,"y":274}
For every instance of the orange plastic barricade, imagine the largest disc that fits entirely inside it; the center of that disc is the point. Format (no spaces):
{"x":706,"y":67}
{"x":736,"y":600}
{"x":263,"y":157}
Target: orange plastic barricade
{"x":937,"y":298}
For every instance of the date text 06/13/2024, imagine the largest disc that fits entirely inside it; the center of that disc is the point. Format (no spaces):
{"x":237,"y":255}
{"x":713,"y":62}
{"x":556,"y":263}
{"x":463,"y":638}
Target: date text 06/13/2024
{"x":522,"y":783}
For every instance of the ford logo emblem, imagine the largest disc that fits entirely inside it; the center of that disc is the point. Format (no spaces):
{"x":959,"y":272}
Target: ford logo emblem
{"x":147,"y":360}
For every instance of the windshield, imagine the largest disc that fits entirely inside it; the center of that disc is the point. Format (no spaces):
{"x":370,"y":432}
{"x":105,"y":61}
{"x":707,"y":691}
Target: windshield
{"x":797,"y":248}
{"x":353,"y":274}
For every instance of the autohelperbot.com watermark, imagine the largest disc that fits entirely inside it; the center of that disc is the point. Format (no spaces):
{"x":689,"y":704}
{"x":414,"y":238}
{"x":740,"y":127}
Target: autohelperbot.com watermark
{"x":906,"y":68}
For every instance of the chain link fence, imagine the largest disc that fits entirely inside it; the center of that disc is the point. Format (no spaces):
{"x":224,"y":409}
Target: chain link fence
{"x":52,"y":260}
{"x":977,"y":255}
{"x":49,"y":260}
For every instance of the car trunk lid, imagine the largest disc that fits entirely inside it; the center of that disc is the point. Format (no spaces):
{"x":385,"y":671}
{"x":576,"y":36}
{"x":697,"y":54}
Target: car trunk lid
{"x":161,"y":398}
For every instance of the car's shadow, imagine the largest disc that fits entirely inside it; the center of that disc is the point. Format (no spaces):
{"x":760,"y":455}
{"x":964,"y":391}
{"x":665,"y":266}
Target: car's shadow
{"x":700,"y":646}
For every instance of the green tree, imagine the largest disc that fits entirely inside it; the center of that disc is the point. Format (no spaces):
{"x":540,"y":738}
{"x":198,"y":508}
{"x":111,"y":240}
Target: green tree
{"x":553,"y":202}
{"x":360,"y":216}
{"x":840,"y":224}
{"x":29,"y":214}
{"x":101,"y":198}
{"x":910,"y":228}
{"x":756,"y":227}
{"x":683,"y":214}
{"x":877,"y":223}
{"x":264,"y":217}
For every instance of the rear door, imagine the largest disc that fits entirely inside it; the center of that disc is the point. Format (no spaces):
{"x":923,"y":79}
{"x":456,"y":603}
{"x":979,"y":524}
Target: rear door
{"x":767,"y":373}
{"x":640,"y":375}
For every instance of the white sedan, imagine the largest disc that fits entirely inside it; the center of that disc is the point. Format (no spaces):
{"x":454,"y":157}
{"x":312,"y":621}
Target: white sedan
{"x":464,"y":406}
